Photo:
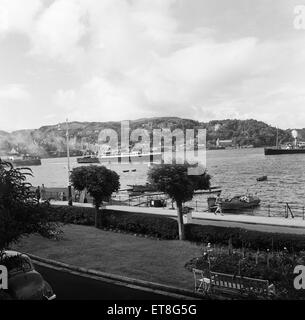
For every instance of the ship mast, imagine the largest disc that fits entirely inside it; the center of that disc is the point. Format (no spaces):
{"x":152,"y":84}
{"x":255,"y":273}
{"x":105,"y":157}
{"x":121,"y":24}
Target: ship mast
{"x":69,"y":167}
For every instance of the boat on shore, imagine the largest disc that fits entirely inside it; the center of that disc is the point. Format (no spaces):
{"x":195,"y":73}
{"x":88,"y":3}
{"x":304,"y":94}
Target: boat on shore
{"x":234,"y":204}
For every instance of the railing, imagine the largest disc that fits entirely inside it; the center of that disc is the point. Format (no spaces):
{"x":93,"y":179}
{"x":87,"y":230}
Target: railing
{"x":138,"y":201}
{"x":285,"y":210}
{"x":62,"y":195}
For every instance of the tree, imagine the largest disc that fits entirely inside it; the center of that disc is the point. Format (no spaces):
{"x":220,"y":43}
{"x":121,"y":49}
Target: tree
{"x":173,"y":179}
{"x":99,"y":181}
{"x":20,"y":212}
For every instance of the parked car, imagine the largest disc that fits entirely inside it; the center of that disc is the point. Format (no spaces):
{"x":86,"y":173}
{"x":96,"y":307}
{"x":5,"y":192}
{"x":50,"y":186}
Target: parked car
{"x":24,"y":282}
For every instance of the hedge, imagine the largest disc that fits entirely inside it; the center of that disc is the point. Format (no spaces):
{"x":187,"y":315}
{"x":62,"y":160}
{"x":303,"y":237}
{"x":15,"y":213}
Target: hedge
{"x":146,"y":224}
{"x":240,"y":237}
{"x":72,"y":215}
{"x":167,"y":228}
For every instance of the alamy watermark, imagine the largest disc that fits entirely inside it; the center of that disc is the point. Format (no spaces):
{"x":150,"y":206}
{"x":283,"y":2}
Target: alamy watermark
{"x":299,"y":280}
{"x":131,"y":146}
{"x":3,"y":278}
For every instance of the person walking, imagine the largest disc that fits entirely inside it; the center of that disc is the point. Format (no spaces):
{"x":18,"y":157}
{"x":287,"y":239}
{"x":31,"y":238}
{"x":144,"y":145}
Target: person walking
{"x":38,"y":194}
{"x":218,"y":204}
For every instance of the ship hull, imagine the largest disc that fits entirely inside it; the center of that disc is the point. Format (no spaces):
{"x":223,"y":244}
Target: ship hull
{"x":142,"y":158}
{"x":271,"y":151}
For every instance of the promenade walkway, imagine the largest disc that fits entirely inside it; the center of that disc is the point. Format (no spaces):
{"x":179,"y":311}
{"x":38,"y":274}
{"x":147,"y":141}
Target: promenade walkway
{"x":259,"y":223}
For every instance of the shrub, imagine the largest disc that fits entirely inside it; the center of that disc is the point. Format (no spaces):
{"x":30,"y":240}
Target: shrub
{"x":245,"y":238}
{"x":167,"y":228}
{"x":151,"y":225}
{"x":21,"y":214}
{"x":72,"y":215}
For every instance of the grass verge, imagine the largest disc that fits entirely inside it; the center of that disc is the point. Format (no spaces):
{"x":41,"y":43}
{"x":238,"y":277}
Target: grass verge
{"x":122,"y":254}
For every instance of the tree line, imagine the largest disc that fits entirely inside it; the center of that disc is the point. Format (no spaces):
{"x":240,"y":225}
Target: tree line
{"x":50,"y":141}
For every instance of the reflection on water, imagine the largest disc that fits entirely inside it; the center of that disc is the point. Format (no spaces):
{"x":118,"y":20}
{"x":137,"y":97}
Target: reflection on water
{"x":235,"y":170}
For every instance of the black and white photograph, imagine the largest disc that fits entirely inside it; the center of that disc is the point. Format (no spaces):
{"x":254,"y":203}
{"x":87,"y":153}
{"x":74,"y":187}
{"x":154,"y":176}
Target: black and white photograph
{"x":152,"y":150}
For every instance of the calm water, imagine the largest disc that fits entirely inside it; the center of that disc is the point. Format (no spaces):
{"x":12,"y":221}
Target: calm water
{"x":235,"y":170}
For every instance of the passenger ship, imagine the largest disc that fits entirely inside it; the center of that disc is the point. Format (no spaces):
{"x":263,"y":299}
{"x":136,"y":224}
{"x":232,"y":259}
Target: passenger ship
{"x":128,"y":157}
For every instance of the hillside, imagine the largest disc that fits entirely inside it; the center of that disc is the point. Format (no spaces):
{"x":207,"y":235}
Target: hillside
{"x":51,"y":140}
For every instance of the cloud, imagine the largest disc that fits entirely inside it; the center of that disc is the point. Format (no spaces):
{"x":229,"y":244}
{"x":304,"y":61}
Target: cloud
{"x":100,"y":100}
{"x":137,"y":62}
{"x":135,"y":58}
{"x":58,"y":30}
{"x":14,"y":92}
{"x":18,"y":16}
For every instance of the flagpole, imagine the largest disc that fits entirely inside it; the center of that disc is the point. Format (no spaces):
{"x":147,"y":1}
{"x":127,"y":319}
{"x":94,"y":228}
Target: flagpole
{"x":69,"y":167}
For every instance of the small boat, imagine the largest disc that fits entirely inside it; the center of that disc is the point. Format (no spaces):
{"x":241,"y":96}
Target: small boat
{"x":236,"y":203}
{"x":262,"y":178}
{"x":125,"y":171}
{"x":211,"y":190}
{"x":88,"y":159}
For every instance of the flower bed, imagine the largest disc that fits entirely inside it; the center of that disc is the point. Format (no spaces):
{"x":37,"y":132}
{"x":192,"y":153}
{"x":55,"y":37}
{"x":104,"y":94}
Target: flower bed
{"x":277,"y":267}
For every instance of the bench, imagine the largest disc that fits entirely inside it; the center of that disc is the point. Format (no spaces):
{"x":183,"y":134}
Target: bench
{"x":231,"y":285}
{"x":238,"y":285}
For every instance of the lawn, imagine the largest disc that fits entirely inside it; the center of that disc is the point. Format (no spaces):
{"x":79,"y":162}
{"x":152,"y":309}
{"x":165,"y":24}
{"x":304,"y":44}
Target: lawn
{"x":122,"y":254}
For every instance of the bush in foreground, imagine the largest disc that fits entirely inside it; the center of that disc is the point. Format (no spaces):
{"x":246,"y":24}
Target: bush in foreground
{"x":21,"y":214}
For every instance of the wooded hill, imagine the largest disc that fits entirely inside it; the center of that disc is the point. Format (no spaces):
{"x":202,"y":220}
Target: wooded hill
{"x":50,"y":140}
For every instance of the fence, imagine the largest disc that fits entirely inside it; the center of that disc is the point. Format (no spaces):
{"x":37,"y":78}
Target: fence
{"x":286,"y":210}
{"x":142,"y":200}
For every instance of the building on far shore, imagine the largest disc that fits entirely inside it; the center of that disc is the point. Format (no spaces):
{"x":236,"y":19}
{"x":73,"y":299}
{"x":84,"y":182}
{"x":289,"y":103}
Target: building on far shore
{"x":224,"y":143}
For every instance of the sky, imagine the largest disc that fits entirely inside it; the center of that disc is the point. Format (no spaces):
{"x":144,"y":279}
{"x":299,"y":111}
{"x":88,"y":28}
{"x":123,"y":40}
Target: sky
{"x":105,"y":60}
